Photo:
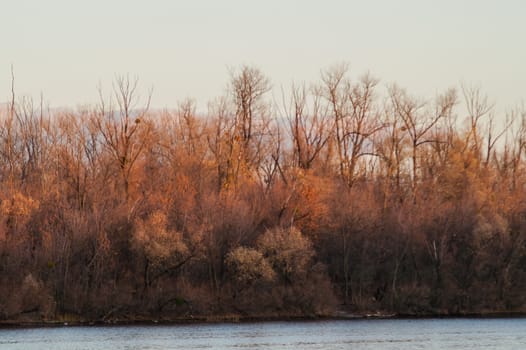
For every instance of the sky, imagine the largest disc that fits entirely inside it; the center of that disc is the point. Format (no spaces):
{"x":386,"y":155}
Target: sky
{"x":65,"y":49}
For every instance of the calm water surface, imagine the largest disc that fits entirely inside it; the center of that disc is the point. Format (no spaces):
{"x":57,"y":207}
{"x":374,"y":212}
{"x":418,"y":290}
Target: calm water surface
{"x":355,"y":334}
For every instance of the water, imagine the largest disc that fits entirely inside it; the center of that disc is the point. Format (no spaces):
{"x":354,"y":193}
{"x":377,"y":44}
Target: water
{"x":355,"y":334}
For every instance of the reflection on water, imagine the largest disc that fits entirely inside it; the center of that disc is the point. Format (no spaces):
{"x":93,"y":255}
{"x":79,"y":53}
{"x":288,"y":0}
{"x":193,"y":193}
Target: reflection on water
{"x":355,"y":334}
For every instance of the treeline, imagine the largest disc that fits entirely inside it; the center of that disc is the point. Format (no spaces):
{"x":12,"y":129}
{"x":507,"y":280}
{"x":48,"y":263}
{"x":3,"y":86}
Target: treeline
{"x":342,"y":194}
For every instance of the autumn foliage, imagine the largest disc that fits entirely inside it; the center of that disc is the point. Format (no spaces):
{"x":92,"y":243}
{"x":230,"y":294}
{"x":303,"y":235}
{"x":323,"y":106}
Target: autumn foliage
{"x":343,"y":195}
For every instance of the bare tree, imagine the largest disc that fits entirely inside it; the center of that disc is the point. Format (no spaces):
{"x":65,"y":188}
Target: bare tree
{"x":355,"y":116}
{"x":124,"y":130}
{"x":248,"y":86}
{"x":222,"y":143}
{"x":308,"y":126}
{"x":188,"y":127}
{"x":390,"y":146}
{"x":478,"y":107}
{"x":418,"y":122}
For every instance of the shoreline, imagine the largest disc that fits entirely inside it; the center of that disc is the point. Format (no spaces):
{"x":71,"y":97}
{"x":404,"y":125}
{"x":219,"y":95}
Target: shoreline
{"x":233,"y":319}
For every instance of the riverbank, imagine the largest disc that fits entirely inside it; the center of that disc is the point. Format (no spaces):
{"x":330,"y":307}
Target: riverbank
{"x":72,"y":321}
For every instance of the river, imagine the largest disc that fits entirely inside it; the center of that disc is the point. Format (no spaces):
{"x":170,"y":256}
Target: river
{"x":350,"y":334}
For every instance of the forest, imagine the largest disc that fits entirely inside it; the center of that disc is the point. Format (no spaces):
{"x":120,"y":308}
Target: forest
{"x":344,"y":194}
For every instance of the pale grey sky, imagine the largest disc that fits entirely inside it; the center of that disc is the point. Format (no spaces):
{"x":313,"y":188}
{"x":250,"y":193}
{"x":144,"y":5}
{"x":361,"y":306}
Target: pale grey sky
{"x":64,"y":48}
